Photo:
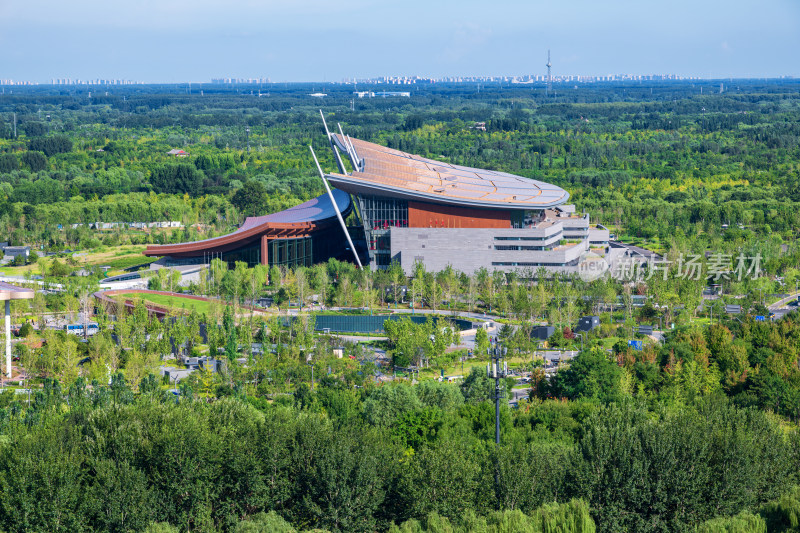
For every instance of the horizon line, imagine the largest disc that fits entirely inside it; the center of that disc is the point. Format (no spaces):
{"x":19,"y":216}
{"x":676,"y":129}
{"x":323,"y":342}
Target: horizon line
{"x":382,"y":80}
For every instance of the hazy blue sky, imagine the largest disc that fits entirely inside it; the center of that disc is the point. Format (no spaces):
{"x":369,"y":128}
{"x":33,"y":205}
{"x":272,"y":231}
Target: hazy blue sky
{"x":315,"y":40}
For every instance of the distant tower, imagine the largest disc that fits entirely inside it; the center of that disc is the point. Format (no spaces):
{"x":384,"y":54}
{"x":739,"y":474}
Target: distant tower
{"x":549,"y":77}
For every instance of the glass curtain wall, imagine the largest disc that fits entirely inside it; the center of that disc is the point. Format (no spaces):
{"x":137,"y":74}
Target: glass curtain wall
{"x":379,"y":214}
{"x":249,"y":254}
{"x":291,"y":252}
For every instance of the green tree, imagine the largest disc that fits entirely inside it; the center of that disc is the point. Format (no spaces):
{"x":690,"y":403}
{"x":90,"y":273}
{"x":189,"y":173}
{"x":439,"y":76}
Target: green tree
{"x":35,"y":161}
{"x":270,"y":522}
{"x":251,"y":198}
{"x":481,"y":342}
{"x":177,"y":179}
{"x":444,"y":478}
{"x":444,"y":396}
{"x":642,"y":473}
{"x":590,"y":375}
{"x":341,"y":479}
{"x":744,"y":522}
{"x":478,"y":387}
{"x":385,"y":404}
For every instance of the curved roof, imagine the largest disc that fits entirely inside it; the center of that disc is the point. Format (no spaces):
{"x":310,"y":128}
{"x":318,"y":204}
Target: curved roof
{"x":315,"y":210}
{"x":12,"y":292}
{"x":394,"y":173}
{"x":305,"y":216}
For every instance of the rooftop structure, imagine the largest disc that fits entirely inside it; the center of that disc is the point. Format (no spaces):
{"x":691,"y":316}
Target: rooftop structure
{"x":396,"y":174}
{"x":415,"y":209}
{"x":412,"y":209}
{"x":303,"y":234}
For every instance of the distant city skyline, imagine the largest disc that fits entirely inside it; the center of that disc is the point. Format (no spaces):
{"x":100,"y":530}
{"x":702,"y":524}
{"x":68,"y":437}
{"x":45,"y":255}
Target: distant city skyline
{"x":169,"y":41}
{"x":540,"y":79}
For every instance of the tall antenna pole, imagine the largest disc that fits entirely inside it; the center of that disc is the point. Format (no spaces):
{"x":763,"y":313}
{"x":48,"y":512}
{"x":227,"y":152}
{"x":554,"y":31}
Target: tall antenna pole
{"x":549,"y":77}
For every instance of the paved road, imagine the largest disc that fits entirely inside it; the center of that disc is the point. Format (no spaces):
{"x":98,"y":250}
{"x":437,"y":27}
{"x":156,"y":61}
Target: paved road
{"x":518,"y":394}
{"x":477,"y":316}
{"x":402,"y":310}
{"x":16,"y":280}
{"x":359,"y":338}
{"x":780,"y":304}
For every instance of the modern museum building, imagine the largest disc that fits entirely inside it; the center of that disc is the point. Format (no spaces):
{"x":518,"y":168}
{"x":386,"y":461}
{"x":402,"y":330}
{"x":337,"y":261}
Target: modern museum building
{"x":412,"y":209}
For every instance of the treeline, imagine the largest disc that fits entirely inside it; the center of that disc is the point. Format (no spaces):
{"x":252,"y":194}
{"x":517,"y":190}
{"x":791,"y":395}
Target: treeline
{"x":346,"y":459}
{"x":50,"y":224}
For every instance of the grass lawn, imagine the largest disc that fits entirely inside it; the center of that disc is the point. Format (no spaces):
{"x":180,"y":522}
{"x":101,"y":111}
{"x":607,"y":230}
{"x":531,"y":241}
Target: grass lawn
{"x":173,"y":302}
{"x":118,"y":258}
{"x":19,"y":271}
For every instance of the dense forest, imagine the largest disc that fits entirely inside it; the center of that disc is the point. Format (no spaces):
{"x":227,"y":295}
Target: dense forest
{"x":695,"y":432}
{"x":103,"y":458}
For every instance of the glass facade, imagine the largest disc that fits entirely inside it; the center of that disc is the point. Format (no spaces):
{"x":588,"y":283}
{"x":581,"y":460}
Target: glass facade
{"x":182,"y":261}
{"x":526,"y":247}
{"x":521,"y":264}
{"x":527,"y":218}
{"x":522,"y":238}
{"x":249,"y":254}
{"x":378,"y":214}
{"x":383,"y":213}
{"x":512,"y":247}
{"x":291,"y":252}
{"x":320,"y":246}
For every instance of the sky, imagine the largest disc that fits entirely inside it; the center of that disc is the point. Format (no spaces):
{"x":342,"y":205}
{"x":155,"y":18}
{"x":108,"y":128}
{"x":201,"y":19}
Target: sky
{"x":315,"y":40}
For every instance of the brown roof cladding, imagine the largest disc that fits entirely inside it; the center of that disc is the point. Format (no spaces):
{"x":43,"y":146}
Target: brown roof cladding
{"x":391,"y":171}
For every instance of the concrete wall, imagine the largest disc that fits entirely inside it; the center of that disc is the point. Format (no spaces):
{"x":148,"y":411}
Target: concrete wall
{"x":575,"y":227}
{"x":599,"y":235}
{"x":468,"y":250}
